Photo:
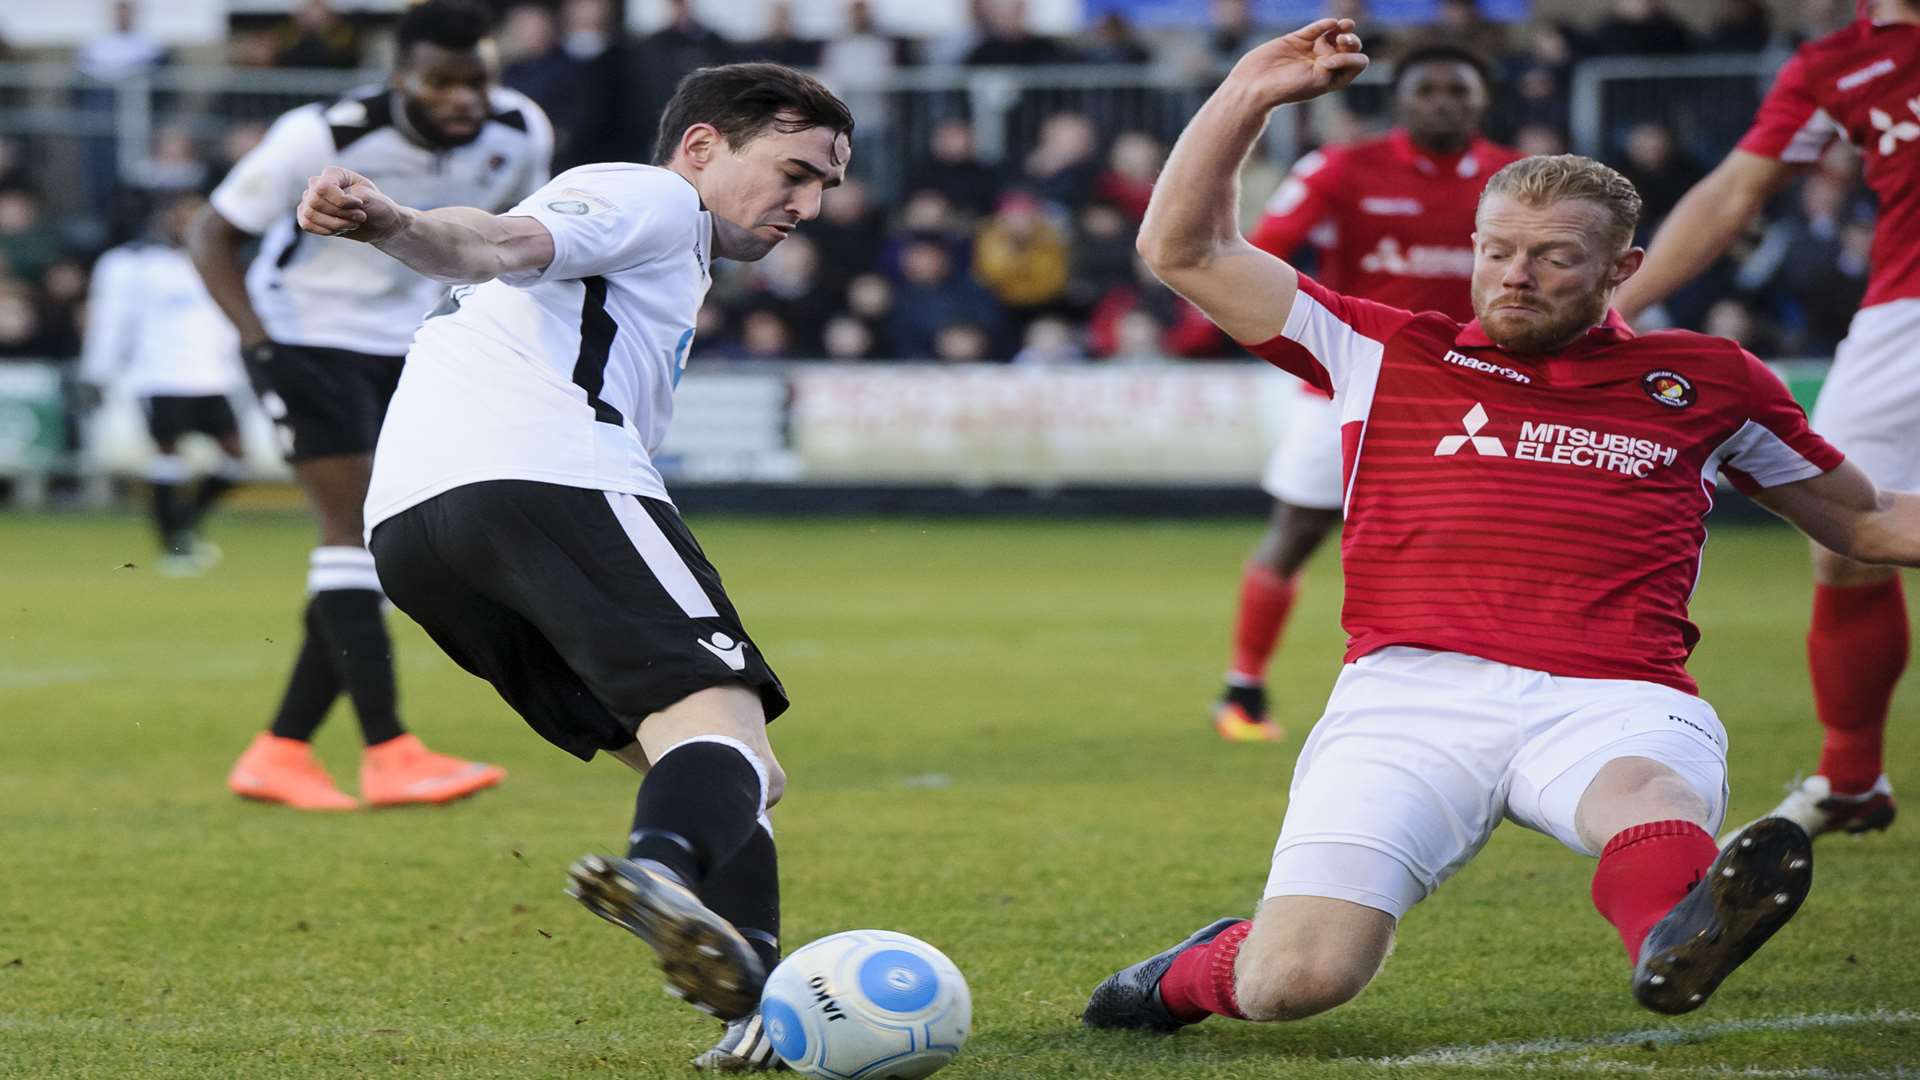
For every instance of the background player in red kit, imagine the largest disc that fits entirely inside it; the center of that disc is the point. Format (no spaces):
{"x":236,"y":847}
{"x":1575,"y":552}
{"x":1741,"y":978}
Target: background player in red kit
{"x":1861,"y":83}
{"x":1390,"y":220}
{"x":1525,"y":520}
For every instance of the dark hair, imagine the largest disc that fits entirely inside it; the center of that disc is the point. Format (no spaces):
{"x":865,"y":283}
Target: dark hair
{"x":1441,"y":54}
{"x":450,"y":24}
{"x":742,"y":101}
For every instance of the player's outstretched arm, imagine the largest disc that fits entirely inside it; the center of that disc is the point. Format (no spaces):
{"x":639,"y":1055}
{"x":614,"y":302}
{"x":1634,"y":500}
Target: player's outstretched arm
{"x":1191,"y":236}
{"x":1844,"y":512}
{"x":1703,"y":224}
{"x":456,"y":244}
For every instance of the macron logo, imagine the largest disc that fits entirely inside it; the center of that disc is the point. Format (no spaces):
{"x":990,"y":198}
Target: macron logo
{"x":730,"y":652}
{"x":1463,"y":360}
{"x":1865,"y":75}
{"x":1485,"y":445}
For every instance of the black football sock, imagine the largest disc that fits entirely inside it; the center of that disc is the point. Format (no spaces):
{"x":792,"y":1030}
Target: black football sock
{"x":212,"y":488}
{"x":1251,"y":698}
{"x":310,"y":689}
{"x":346,"y":604}
{"x":696,"y":807}
{"x":164,"y":476}
{"x":745,"y":891}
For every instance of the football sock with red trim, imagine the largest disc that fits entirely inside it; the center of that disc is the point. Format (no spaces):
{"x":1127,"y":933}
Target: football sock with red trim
{"x":1644,"y":871}
{"x":1856,"y":650}
{"x":1200,"y":982}
{"x":1265,"y":600}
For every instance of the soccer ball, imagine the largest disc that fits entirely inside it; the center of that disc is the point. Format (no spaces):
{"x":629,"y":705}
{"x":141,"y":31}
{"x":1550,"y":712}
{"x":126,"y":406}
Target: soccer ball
{"x":866,"y":1005}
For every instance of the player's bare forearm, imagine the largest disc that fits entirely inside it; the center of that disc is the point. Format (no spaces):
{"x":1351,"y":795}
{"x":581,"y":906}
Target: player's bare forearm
{"x":1703,"y":224}
{"x":460,"y":244}
{"x":214,"y":243}
{"x":1191,"y":236}
{"x":1844,"y":512}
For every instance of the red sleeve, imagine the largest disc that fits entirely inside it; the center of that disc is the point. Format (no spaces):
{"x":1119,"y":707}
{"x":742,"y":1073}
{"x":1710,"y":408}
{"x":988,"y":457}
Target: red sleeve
{"x":1790,"y":126}
{"x":1330,"y":337}
{"x":1298,"y":205}
{"x":1775,"y":446}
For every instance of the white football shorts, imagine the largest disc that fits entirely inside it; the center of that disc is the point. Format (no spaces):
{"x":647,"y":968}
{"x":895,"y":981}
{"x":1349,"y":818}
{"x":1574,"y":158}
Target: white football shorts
{"x":1421,"y":753}
{"x":1304,"y":469}
{"x":1870,"y":405}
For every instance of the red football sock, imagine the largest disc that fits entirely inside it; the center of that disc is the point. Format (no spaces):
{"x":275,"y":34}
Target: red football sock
{"x":1644,"y":871}
{"x":1856,"y":650}
{"x":1200,"y":982}
{"x":1265,"y":599}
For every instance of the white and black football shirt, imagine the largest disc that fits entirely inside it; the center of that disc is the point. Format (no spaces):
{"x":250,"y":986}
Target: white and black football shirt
{"x":338,"y":293}
{"x":153,"y":329}
{"x":563,"y":375}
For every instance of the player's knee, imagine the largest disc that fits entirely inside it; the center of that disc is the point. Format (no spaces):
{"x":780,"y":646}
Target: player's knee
{"x":776,"y":782}
{"x":1300,"y":983}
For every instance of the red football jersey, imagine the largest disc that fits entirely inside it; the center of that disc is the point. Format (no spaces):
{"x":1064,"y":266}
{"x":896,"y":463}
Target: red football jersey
{"x":1863,"y":83}
{"x":1391,"y":222}
{"x":1541,"y":511}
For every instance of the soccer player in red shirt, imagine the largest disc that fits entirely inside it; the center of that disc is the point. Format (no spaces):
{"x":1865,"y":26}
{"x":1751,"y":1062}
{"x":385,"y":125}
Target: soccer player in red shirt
{"x":1861,"y":83}
{"x":1390,"y":218}
{"x":1526,"y":495}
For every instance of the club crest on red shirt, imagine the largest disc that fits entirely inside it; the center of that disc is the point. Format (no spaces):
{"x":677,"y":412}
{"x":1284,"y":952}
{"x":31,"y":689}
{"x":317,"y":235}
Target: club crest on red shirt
{"x":1669,"y":388}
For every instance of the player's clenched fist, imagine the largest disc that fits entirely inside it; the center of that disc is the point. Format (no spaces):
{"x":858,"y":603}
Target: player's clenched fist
{"x":341,"y":202}
{"x":1317,"y":58}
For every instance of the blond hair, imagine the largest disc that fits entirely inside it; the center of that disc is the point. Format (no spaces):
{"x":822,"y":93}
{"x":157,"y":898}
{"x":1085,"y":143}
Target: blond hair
{"x":1551,"y":178}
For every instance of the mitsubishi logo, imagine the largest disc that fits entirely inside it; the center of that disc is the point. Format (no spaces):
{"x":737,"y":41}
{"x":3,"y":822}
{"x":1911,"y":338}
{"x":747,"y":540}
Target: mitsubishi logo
{"x":1893,"y":133}
{"x":1487,"y":445}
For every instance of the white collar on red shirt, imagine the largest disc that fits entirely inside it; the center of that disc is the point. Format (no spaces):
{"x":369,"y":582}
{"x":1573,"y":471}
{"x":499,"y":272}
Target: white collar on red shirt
{"x":1611,"y":329}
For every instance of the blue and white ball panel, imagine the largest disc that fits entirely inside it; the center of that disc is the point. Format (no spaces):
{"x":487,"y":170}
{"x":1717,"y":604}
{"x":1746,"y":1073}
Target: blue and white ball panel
{"x":867,"y":1005}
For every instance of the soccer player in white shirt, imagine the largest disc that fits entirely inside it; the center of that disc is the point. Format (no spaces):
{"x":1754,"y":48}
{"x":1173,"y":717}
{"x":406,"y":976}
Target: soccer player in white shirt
{"x":516,"y":514}
{"x":325,"y":324}
{"x":153,"y":331}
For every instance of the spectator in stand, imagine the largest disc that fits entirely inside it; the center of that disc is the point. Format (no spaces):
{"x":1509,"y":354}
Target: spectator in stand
{"x":870,"y":299}
{"x":122,"y":52}
{"x":13,"y":169}
{"x":963,"y":342}
{"x":534,"y":64}
{"x":1660,"y":170}
{"x":1021,"y":256}
{"x":173,"y":166}
{"x":1379,"y":43}
{"x":1230,"y":31}
{"x":848,"y":233}
{"x":1740,"y":26}
{"x":1540,"y":139}
{"x":788,"y":284}
{"x":1010,"y":44}
{"x":1115,"y":41}
{"x":1807,"y":259}
{"x":927,"y":215}
{"x":1049,"y":342}
{"x":1184,"y":331}
{"x":1062,"y":166}
{"x":23,"y":325}
{"x":849,"y":338}
{"x":1641,"y":27}
{"x":1102,"y":256}
{"x":764,"y":335}
{"x":934,"y":293}
{"x":1132,"y":165}
{"x":779,"y":44}
{"x":1536,"y":82}
{"x":953,"y":168}
{"x":1461,"y":24}
{"x":251,"y":48}
{"x":854,"y":60}
{"x":63,"y":306}
{"x":316,"y":37}
{"x":628,"y":82}
{"x":1730,"y":317}
{"x":1138,"y":337}
{"x":29,"y":244}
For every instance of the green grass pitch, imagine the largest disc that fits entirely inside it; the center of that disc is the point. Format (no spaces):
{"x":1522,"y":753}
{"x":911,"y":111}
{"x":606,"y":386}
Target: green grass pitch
{"x":999,"y":744}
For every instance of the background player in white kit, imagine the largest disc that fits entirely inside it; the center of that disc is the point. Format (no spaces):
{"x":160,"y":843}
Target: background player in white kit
{"x":1860,"y":83}
{"x":515,"y":511}
{"x":325,"y":324}
{"x":154,"y":333}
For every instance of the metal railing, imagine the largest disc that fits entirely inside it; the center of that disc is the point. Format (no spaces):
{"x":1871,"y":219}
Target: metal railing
{"x":1707,"y":101}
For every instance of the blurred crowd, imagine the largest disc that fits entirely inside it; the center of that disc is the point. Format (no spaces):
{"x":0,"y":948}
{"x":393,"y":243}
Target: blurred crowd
{"x":938,"y":249}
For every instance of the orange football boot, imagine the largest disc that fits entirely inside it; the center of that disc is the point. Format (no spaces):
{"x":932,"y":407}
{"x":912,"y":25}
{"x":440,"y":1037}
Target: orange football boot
{"x":1236,"y":724}
{"x":280,"y":770}
{"x":401,"y":771}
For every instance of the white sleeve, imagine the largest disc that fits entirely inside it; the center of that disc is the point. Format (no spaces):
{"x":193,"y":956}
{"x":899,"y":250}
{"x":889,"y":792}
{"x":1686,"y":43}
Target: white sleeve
{"x":268,"y":182}
{"x":608,"y":218}
{"x":111,"y":317}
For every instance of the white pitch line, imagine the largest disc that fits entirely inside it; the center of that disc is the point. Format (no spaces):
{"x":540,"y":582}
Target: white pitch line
{"x":1490,"y":1053}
